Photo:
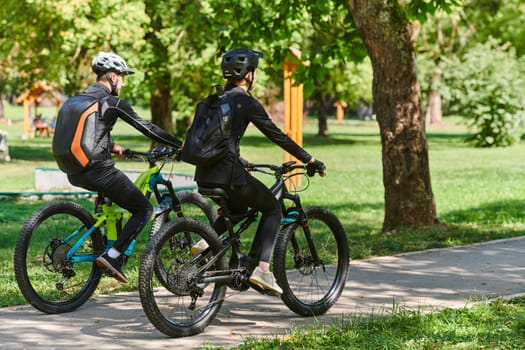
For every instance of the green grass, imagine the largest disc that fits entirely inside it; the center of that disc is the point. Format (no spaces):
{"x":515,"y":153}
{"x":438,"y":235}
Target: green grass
{"x":497,"y":325}
{"x":479,"y":192}
{"x":479,"y":196}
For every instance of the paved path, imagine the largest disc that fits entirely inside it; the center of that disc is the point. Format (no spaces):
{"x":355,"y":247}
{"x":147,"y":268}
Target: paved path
{"x":437,"y":278}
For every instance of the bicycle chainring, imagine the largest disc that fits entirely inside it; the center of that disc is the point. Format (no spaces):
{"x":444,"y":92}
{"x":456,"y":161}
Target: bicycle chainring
{"x":240,"y":281}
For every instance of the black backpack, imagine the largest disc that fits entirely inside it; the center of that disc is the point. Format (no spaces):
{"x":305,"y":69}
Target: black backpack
{"x":208,"y":138}
{"x":73,"y":140}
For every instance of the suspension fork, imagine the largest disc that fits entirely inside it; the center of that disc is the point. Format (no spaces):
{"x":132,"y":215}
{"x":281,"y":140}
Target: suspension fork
{"x":301,"y":220}
{"x":175,"y":203}
{"x":170,"y":201}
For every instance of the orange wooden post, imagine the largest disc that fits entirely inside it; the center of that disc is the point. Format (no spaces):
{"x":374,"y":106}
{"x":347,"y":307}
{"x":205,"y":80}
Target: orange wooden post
{"x":340,"y":110}
{"x":27,"y":119}
{"x":293,"y":102}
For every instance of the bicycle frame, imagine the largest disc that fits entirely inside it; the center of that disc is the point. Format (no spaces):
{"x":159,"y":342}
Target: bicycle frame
{"x":310,"y":260}
{"x":109,"y":216}
{"x":292,"y":214}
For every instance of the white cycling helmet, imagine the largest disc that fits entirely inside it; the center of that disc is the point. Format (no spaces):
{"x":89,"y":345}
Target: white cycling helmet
{"x":110,"y":62}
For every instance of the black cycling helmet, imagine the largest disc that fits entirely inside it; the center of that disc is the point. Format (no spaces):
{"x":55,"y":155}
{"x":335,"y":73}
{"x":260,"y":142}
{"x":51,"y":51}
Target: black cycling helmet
{"x":110,"y":62}
{"x":237,"y":62}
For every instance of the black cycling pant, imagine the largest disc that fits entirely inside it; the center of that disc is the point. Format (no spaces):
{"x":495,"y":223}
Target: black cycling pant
{"x":114,"y":184}
{"x":254,"y":194}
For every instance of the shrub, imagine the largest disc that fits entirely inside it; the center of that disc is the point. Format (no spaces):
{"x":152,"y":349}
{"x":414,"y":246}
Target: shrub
{"x":486,"y":85}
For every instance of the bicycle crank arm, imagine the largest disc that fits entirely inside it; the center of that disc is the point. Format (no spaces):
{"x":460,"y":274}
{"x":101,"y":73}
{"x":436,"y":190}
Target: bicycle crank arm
{"x":224,"y":276}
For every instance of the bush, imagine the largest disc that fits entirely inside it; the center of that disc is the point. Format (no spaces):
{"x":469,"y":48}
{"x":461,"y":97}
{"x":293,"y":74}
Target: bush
{"x":486,"y":85}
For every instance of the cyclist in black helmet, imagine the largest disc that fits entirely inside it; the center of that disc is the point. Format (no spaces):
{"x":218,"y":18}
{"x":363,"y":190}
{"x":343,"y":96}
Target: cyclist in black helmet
{"x":239,"y":68}
{"x":82,"y":146}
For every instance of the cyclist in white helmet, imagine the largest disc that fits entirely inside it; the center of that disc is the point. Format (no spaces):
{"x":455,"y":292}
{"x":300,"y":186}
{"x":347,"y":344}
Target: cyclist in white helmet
{"x":82,"y":146}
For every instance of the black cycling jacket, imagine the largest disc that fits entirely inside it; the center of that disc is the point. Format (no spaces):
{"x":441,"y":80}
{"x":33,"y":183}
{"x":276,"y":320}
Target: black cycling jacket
{"x":92,"y":137}
{"x":229,"y":170}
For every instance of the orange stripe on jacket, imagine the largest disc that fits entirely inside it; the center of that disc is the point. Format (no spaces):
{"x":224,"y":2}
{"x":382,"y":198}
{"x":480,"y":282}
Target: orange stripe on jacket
{"x":76,"y":145}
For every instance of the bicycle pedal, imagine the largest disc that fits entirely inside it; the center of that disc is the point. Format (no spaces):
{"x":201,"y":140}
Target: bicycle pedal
{"x":262,"y":290}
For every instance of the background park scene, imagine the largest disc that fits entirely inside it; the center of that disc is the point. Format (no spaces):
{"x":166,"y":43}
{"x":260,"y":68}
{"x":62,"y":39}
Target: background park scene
{"x":438,"y":161}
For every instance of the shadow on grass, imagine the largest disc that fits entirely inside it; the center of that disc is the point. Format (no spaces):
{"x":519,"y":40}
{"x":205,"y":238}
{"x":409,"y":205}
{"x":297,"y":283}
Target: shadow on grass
{"x":33,"y":152}
{"x":40,"y":149}
{"x":260,"y":141}
{"x":492,"y":221}
{"x":495,"y":213}
{"x":350,"y":139}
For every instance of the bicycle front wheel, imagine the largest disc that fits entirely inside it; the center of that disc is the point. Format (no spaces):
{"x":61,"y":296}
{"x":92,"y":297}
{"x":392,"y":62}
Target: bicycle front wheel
{"x":193,"y":205}
{"x":311,"y":262}
{"x":174,"y":295}
{"x":50,"y":281}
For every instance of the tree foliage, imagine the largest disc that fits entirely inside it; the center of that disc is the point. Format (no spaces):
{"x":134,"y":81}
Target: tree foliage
{"x":55,"y":40}
{"x":421,"y":10}
{"x":486,"y":85}
{"x":449,"y":49}
{"x":501,"y":19}
{"x":175,"y":46}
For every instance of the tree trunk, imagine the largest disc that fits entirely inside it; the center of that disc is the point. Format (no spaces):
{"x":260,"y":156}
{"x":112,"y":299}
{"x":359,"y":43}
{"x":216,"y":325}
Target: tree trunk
{"x":321,"y":115}
{"x":385,"y":30}
{"x":159,"y":77}
{"x":161,"y":105}
{"x":434,"y":113}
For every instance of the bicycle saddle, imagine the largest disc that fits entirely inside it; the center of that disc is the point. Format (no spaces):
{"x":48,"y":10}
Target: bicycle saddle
{"x":213,"y":192}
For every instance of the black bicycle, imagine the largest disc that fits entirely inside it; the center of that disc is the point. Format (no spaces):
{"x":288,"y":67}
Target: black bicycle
{"x":310,"y":261}
{"x":57,"y":247}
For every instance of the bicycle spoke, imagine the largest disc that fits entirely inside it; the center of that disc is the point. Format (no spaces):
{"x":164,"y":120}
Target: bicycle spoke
{"x":311,"y":285}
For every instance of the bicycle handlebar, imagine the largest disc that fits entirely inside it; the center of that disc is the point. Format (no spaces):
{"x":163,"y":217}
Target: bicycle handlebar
{"x":156,"y":154}
{"x":278,"y":170}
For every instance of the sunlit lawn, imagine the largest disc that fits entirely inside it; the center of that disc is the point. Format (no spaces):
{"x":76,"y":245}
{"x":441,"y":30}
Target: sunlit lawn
{"x":479,"y":192}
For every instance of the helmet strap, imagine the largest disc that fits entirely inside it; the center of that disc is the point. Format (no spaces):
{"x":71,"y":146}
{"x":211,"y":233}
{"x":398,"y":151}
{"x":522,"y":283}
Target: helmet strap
{"x":249,"y":81}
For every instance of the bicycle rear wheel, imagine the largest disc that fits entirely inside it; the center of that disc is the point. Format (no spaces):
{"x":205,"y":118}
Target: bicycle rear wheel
{"x":47,"y":279}
{"x":172,"y":293}
{"x":311,"y":286}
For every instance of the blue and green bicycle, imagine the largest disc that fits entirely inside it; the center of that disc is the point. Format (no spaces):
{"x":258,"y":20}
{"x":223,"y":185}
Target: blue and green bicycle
{"x":56,"y":249}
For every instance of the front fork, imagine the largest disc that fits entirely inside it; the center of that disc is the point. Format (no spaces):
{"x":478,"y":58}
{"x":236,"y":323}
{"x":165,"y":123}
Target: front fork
{"x":167,"y":202}
{"x":295,"y":214}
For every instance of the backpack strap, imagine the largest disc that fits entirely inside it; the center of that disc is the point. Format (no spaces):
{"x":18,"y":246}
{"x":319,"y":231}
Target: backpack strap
{"x":216,"y":90}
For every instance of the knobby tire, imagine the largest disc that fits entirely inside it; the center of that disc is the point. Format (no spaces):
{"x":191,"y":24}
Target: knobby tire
{"x":192,"y":205}
{"x":168,"y":303}
{"x":310,"y":289}
{"x":38,"y":268}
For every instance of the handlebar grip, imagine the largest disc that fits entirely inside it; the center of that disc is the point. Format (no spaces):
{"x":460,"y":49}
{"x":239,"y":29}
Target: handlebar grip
{"x":127,"y":153}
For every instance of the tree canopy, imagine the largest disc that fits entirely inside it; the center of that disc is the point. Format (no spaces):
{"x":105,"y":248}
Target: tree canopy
{"x":175,"y":47}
